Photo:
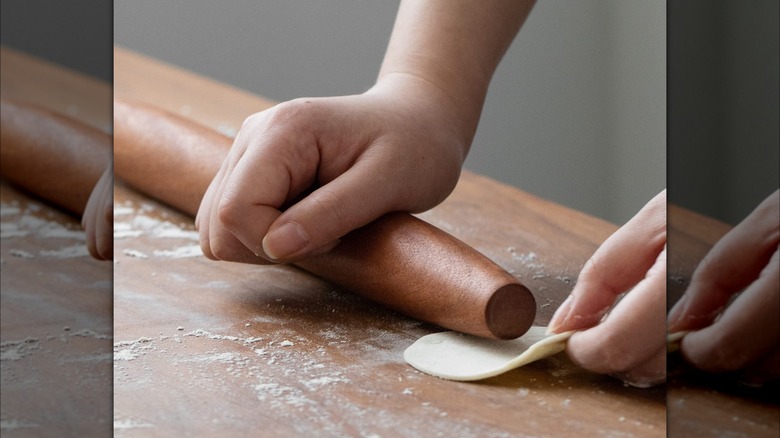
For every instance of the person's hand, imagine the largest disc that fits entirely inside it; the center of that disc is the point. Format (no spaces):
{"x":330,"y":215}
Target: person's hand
{"x":744,"y":266}
{"x":98,"y":218}
{"x":629,"y":340}
{"x":306,"y":172}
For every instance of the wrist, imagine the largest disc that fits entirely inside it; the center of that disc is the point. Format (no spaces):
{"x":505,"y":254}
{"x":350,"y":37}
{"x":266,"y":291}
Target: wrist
{"x":453,"y":111}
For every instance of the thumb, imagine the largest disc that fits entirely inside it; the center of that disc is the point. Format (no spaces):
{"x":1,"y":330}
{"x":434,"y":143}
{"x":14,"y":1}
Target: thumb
{"x":316,"y":223}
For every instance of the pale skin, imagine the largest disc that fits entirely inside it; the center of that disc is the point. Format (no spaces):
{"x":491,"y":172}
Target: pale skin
{"x":630,"y":342}
{"x":397,"y":147}
{"x":98,"y":218}
{"x":400,"y":147}
{"x":745,"y":334}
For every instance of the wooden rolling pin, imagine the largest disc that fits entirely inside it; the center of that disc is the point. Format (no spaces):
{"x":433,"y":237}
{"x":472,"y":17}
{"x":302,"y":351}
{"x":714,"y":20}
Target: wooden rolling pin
{"x":398,"y":260}
{"x":52,"y":156}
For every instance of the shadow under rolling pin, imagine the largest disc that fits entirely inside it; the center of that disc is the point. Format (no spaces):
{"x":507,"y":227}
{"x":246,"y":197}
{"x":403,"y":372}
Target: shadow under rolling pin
{"x":398,"y":260}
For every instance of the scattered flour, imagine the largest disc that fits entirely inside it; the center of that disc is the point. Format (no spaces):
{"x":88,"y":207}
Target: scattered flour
{"x":15,"y":350}
{"x":125,"y":230}
{"x":156,"y":228}
{"x":21,"y":254}
{"x":176,"y":233}
{"x":59,"y":232}
{"x":248,"y":365}
{"x":123,"y":211}
{"x":143,"y":225}
{"x":67,"y":252}
{"x":127,"y":424}
{"x":180,"y":252}
{"x":44,"y":228}
{"x":198,"y":333}
{"x":11,"y":230}
{"x":226,"y":357}
{"x":134,"y":253}
{"x":14,"y":424}
{"x":529,"y":259}
{"x":277,"y":395}
{"x":7,"y":210}
{"x":129,"y":350}
{"x":318,"y":382}
{"x":87,"y":333}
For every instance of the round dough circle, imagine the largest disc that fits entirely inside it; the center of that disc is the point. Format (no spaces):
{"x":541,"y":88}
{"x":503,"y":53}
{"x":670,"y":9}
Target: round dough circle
{"x":456,"y":356}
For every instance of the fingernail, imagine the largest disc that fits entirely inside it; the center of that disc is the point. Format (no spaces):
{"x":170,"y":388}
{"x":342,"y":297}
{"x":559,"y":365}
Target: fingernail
{"x":560,"y":316}
{"x":675,"y":315}
{"x":285,"y":241}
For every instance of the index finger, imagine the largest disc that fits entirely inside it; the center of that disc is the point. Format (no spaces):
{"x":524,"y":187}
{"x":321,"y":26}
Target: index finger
{"x":616,"y":266}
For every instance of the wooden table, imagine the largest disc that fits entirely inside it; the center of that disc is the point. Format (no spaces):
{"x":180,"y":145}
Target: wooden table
{"x":56,"y":300}
{"x":207,"y":347}
{"x":199,"y":346}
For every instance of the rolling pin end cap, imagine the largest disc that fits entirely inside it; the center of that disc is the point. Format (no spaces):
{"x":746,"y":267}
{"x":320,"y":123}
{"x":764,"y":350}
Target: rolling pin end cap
{"x":510,"y":312}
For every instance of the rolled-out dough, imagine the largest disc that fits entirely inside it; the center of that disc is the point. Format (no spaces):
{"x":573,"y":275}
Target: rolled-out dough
{"x":456,"y":356}
{"x":673,"y":341}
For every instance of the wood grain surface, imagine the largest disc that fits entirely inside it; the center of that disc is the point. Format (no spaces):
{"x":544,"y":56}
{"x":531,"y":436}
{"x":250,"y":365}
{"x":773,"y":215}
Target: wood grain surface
{"x":206,"y":348}
{"x":56,"y":301}
{"x":398,"y":260}
{"x":273,"y":351}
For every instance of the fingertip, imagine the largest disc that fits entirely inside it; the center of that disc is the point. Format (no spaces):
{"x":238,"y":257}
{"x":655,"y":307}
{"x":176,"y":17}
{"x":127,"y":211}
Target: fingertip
{"x":675,"y":317}
{"x":92,"y":248}
{"x":558,"y":320}
{"x":579,"y":317}
{"x":205,"y":248}
{"x":105,"y":247}
{"x":286,"y":241}
{"x":108,"y":214}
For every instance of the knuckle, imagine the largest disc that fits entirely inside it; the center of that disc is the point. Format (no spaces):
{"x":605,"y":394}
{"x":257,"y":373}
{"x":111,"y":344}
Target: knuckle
{"x":253,"y":120}
{"x":105,"y":248}
{"x":594,"y":273}
{"x":283,"y":113}
{"x":327,"y":204}
{"x":291,"y":113}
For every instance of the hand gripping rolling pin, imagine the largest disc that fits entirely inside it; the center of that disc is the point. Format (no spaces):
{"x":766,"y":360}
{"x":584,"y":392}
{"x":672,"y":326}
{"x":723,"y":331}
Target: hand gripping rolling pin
{"x":397,"y":260}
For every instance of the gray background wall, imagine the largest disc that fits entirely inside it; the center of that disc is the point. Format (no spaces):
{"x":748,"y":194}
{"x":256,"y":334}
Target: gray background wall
{"x":75,"y":33}
{"x":724,"y":105}
{"x":576,"y":111}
